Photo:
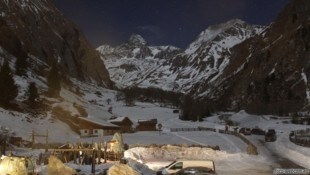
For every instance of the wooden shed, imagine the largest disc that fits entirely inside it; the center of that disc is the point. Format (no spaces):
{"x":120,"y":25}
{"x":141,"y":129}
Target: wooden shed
{"x":92,"y":127}
{"x":124,"y":123}
{"x":147,"y":125}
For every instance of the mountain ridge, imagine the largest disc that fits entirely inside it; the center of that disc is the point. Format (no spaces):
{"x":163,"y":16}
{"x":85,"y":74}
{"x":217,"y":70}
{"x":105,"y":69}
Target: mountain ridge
{"x":268,"y":73}
{"x":171,"y":65}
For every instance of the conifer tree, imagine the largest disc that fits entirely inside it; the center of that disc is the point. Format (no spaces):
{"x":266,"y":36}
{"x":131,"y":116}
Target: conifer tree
{"x":53,"y":82}
{"x":8,"y":88}
{"x":33,"y":94}
{"x":21,"y":64}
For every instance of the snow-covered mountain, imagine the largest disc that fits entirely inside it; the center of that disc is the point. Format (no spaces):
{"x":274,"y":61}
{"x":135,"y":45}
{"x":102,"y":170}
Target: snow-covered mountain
{"x":269,"y":72}
{"x":230,"y":66}
{"x":206,"y":58}
{"x":135,"y":63}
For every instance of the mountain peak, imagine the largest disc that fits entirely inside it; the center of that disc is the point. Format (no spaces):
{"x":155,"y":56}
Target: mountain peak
{"x":214,"y":30}
{"x":137,"y":40}
{"x":105,"y":49}
{"x":237,"y":29}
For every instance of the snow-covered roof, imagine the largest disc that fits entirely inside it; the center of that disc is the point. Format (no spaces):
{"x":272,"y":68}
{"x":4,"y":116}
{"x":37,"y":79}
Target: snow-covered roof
{"x":98,"y":121}
{"x":148,"y":121}
{"x":118,"y":119}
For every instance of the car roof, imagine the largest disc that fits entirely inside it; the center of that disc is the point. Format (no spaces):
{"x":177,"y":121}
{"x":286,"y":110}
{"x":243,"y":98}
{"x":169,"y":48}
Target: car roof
{"x":197,"y":168}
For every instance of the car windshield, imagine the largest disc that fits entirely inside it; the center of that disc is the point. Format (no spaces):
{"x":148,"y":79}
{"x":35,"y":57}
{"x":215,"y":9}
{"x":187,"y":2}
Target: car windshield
{"x":170,"y":164}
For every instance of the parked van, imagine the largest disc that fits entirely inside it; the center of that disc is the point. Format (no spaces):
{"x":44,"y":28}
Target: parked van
{"x":177,"y":165}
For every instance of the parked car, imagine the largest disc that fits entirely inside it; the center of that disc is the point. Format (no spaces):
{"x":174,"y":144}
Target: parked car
{"x":245,"y":131}
{"x":257,"y":131}
{"x":179,"y":165}
{"x":271,"y":131}
{"x":199,"y":170}
{"x":270,"y":136}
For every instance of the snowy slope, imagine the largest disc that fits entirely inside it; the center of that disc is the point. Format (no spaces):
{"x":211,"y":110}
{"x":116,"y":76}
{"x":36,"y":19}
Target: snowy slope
{"x":135,"y":63}
{"x":232,"y":157}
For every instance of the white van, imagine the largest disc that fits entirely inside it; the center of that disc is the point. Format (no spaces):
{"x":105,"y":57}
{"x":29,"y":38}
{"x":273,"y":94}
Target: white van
{"x":177,"y":165}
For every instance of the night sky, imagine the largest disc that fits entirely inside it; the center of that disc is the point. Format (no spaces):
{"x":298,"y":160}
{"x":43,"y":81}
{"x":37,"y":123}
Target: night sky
{"x":162,"y":22}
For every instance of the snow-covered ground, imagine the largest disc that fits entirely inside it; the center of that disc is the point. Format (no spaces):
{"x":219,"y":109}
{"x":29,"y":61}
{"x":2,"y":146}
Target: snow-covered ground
{"x":230,"y":159}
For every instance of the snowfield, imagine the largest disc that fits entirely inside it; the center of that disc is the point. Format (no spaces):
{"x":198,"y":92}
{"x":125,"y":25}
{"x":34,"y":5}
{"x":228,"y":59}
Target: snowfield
{"x":232,"y":157}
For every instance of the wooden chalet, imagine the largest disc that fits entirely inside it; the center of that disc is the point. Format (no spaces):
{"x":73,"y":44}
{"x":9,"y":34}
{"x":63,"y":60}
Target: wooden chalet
{"x":91,"y":127}
{"x":124,"y":123}
{"x":147,"y":125}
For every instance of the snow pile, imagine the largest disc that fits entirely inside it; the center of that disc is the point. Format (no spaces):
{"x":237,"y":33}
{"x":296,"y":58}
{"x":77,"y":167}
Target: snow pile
{"x":140,"y":167}
{"x":170,"y":152}
{"x":225,"y":163}
{"x":55,"y":166}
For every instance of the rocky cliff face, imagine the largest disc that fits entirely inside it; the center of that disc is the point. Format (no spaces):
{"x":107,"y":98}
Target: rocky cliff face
{"x":268,"y":73}
{"x":38,"y":29}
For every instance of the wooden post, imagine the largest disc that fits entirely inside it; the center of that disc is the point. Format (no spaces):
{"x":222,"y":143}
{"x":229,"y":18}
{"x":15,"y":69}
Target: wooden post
{"x":99,"y":153}
{"x":46,"y":141}
{"x":105,"y":152}
{"x":93,"y":162}
{"x":32,"y":139}
{"x":33,"y":135}
{"x":74,"y":157}
{"x":4,"y":145}
{"x":159,"y":128}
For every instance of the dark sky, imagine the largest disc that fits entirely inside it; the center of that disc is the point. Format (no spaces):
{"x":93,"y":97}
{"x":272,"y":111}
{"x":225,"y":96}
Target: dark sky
{"x":162,"y":22}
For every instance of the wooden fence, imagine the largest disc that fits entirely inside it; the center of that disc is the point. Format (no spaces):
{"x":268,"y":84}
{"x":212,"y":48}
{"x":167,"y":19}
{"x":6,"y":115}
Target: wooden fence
{"x":80,"y":156}
{"x":183,"y":129}
{"x":193,"y":129}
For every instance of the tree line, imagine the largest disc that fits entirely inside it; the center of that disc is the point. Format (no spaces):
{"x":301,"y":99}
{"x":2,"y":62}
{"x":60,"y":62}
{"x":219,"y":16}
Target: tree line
{"x":151,"y":95}
{"x":194,"y":109}
{"x":9,"y":89}
{"x":191,"y":108}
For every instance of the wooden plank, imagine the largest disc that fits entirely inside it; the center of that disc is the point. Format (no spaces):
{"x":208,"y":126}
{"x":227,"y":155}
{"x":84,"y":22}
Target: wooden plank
{"x":73,"y":149}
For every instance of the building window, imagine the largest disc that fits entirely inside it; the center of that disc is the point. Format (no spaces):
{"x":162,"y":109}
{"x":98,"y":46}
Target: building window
{"x":96,"y":131}
{"x":85,"y":131}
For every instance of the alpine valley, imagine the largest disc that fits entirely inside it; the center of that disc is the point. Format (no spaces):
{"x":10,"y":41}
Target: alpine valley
{"x":226,"y":98}
{"x":232,"y":66}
